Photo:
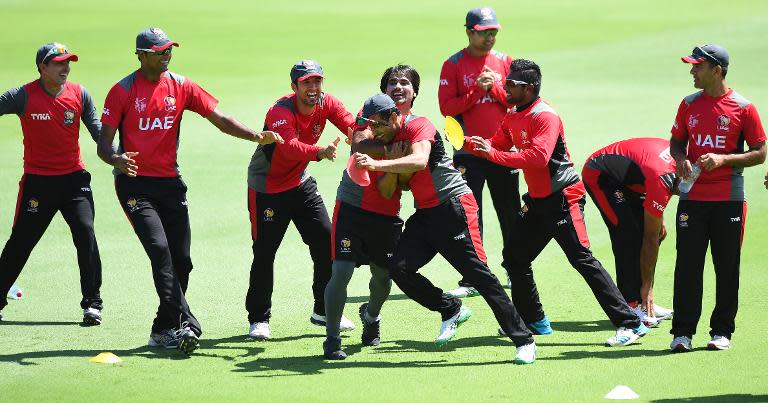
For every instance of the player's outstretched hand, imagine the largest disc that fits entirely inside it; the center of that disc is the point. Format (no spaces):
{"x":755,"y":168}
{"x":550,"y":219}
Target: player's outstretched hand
{"x":329,"y":152}
{"x":364,"y":161}
{"x":481,"y":144}
{"x":268,"y":137}
{"x":125,"y":163}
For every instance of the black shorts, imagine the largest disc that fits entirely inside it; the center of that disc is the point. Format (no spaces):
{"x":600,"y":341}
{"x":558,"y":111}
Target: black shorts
{"x":363,"y":236}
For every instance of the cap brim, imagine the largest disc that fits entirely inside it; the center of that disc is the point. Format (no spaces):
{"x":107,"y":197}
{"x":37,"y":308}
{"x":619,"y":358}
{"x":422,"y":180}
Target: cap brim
{"x":479,"y":27}
{"x":67,"y":56}
{"x":691,"y":59}
{"x":302,"y":78}
{"x":164,"y":47}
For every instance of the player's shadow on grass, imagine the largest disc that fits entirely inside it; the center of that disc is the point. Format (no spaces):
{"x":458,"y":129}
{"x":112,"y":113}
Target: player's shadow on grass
{"x":740,"y":397}
{"x":365,"y":298}
{"x":609,"y":353}
{"x":584,"y":326}
{"x":208,"y":348}
{"x":40,"y":323}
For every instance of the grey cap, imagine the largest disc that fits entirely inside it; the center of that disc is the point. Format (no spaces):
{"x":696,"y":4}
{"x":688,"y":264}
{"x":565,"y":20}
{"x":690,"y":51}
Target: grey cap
{"x":153,"y":40}
{"x":305,"y":69}
{"x":713,"y":53}
{"x":481,"y":19}
{"x":377,"y":103}
{"x":53,"y":51}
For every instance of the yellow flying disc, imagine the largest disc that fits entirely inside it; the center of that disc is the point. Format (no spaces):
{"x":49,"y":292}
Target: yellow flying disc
{"x":454,"y":133}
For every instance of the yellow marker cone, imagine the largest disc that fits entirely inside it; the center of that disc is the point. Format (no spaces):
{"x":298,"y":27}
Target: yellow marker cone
{"x":106,"y":358}
{"x":454,"y":132}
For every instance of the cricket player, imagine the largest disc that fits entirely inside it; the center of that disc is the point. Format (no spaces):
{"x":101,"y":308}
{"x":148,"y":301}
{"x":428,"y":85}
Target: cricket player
{"x":366,"y":225}
{"x":472,"y":91}
{"x":147,"y":107}
{"x":631,"y":182}
{"x":445,"y":222}
{"x":280,"y":190}
{"x":554,"y":205}
{"x":710,"y":130}
{"x":55,"y":180}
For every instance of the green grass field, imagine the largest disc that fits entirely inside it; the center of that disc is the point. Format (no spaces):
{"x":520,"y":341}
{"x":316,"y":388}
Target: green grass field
{"x":611,"y":69}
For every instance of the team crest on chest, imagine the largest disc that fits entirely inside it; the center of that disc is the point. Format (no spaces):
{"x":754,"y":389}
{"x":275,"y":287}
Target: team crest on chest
{"x":170,"y":103}
{"x":524,"y":137}
{"x":69,"y":117}
{"x":316,"y":130}
{"x":469,"y":80}
{"x":723,"y":122}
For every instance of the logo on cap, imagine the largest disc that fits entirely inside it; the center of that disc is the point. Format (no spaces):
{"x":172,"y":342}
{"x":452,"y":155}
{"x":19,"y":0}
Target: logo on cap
{"x":159,"y":33}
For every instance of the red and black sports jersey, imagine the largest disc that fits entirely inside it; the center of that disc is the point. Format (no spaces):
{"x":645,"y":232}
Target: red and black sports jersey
{"x":51,"y":125}
{"x":643,"y":165}
{"x":718,"y":125}
{"x":148,"y":116}
{"x":537,"y":133}
{"x":276,"y":167}
{"x":478,"y":112}
{"x":439,"y":180}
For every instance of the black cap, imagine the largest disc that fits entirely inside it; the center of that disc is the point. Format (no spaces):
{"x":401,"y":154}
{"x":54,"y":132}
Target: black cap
{"x":715,"y":54}
{"x":377,"y":103}
{"x":481,"y":19}
{"x":153,"y":40}
{"x":305,"y":69}
{"x":53,"y":51}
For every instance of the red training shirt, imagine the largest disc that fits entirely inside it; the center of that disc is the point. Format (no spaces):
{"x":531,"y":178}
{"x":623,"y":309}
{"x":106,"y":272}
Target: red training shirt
{"x":478,"y":112}
{"x":718,"y":125}
{"x":276,"y":167}
{"x":148,"y":116}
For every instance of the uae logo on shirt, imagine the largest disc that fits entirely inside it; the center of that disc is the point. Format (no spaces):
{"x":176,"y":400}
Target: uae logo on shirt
{"x":170,"y":103}
{"x":140,"y":104}
{"x":524,"y":137}
{"x":693,"y":120}
{"x":316,"y":130}
{"x":723,"y":122}
{"x":469,"y":80}
{"x":69,"y":117}
{"x":32,"y":205}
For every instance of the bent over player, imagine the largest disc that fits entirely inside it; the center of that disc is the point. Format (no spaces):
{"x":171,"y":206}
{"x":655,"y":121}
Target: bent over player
{"x":631,"y":182}
{"x":55,"y":180}
{"x":147,"y":107}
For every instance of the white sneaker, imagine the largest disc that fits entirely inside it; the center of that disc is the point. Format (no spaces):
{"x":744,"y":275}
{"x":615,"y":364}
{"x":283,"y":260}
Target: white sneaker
{"x":345,"y":324}
{"x":625,"y":336}
{"x":649,"y":321}
{"x":260,"y":331}
{"x":680,"y":344}
{"x":662,"y":313}
{"x":463,"y":292}
{"x":525,"y":354}
{"x":448,"y":327}
{"x":719,"y":343}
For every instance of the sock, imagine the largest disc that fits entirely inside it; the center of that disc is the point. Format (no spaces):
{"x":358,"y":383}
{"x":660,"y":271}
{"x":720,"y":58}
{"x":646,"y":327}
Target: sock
{"x":379,"y":286}
{"x":336,"y":295}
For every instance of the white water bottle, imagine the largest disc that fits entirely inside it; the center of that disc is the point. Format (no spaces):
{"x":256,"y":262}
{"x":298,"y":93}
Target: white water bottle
{"x":686,"y":184}
{"x":15,"y":292}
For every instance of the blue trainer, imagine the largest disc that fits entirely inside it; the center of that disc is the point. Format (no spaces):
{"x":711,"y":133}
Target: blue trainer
{"x":541,"y":327}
